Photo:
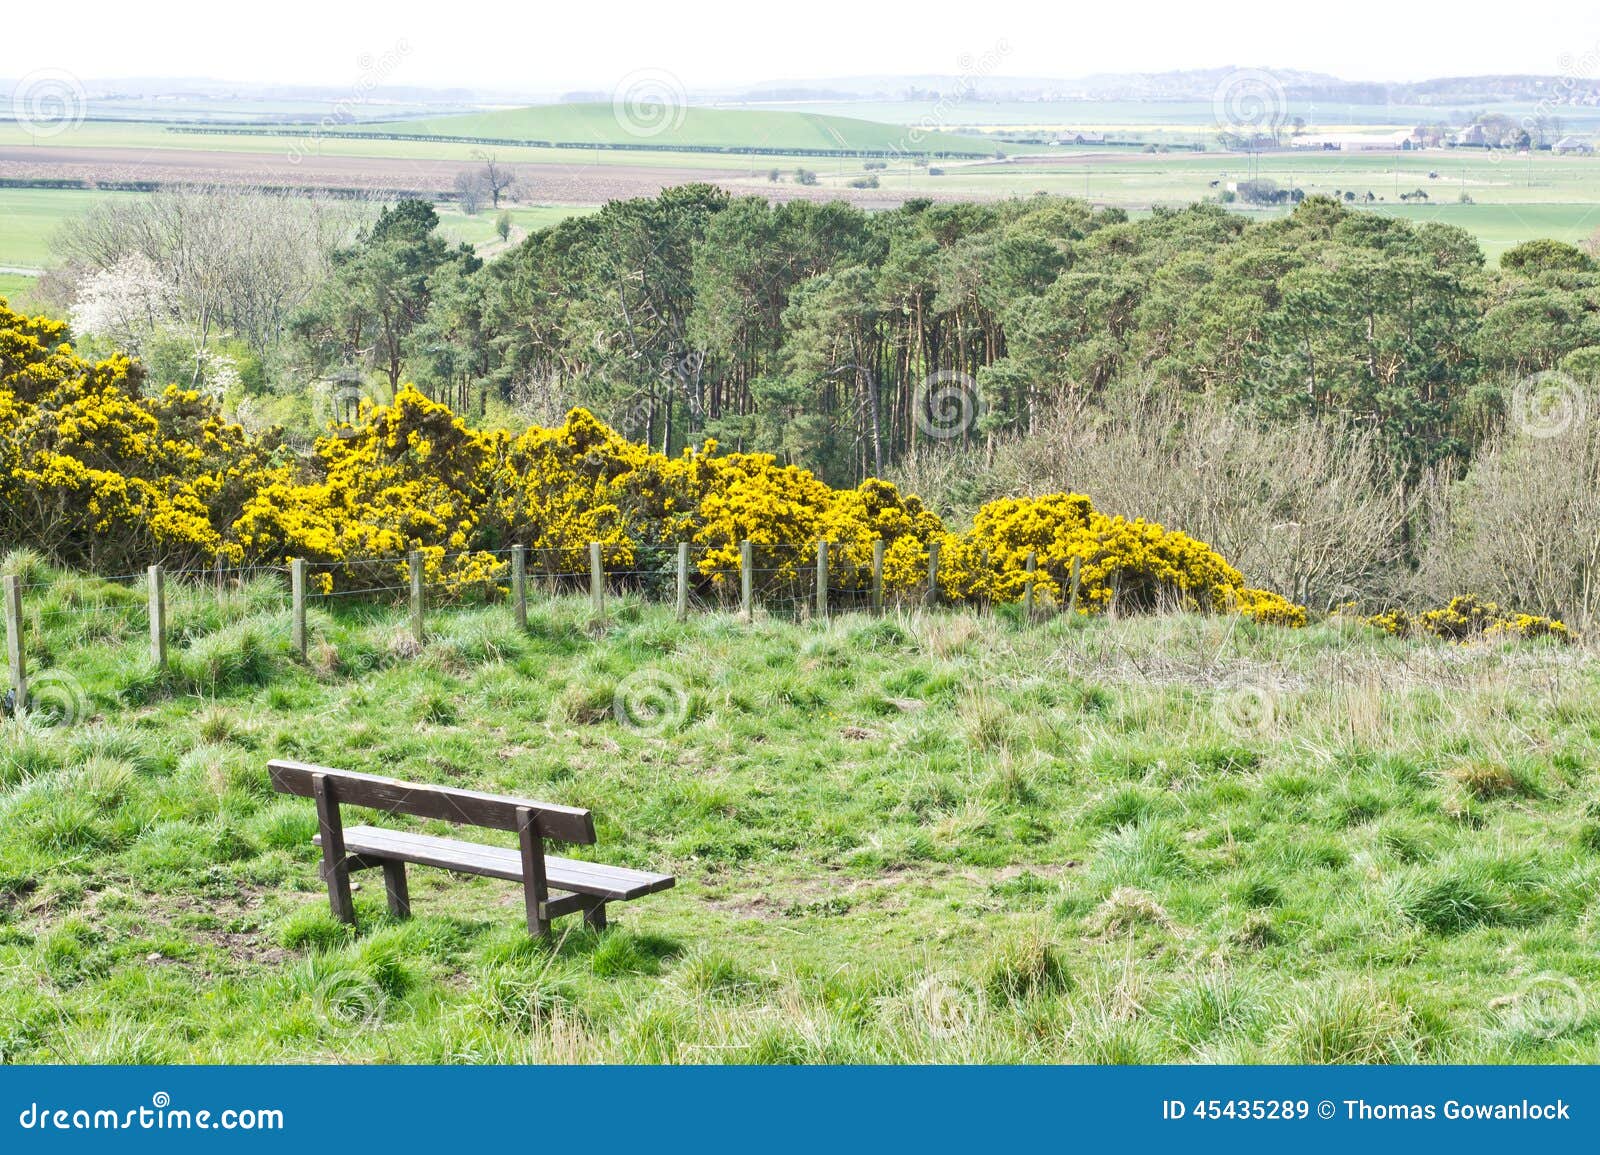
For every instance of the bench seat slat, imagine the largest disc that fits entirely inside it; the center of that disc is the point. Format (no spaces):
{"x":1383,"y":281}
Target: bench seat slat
{"x":613,"y":883}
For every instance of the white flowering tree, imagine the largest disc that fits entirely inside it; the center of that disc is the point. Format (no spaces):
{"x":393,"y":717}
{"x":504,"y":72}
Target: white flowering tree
{"x":126,"y":303}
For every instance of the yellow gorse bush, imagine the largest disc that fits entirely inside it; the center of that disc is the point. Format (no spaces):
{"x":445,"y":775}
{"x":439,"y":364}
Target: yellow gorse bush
{"x":98,"y":473}
{"x":1469,"y":616}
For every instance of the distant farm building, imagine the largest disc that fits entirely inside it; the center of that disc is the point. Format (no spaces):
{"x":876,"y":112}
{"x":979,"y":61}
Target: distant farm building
{"x":1081,"y":138}
{"x":1402,"y":139}
{"x":1474,"y":137}
{"x":1569,"y":145}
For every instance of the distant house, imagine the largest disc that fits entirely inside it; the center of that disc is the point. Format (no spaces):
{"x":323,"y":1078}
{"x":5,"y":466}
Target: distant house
{"x":1568,"y":145}
{"x":1473,"y":137}
{"x":1402,"y":139}
{"x":1081,"y":138}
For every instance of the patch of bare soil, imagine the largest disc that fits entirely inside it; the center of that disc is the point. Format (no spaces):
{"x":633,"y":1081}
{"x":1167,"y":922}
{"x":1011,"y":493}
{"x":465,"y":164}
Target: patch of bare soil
{"x":578,"y":183}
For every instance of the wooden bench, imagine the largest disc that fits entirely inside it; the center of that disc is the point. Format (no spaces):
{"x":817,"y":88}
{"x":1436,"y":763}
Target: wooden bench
{"x":587,"y":886}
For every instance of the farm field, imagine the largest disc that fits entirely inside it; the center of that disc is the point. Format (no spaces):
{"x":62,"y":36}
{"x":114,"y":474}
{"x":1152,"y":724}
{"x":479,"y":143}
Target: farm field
{"x":30,"y":217}
{"x":927,"y":837}
{"x":1502,"y":201}
{"x":680,"y":126}
{"x":14,"y":288}
{"x":479,"y":230}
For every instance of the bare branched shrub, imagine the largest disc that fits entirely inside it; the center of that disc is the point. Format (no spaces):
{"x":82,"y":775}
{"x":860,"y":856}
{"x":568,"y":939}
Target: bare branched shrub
{"x":1523,"y":527}
{"x":1309,"y":508}
{"x":232,"y":260}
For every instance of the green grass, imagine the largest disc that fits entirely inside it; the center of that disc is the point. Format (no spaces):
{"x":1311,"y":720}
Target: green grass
{"x":928,"y":837}
{"x":661,"y":124}
{"x":480,"y":229}
{"x":16,"y":289}
{"x":30,"y":217}
{"x":1499,"y":227}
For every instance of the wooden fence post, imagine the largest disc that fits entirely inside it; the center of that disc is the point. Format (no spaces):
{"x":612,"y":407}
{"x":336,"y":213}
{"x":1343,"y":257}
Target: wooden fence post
{"x":519,"y":585}
{"x":822,"y":579}
{"x":158,"y":617}
{"x":1072,"y":598}
{"x":297,"y":594}
{"x":418,"y":602}
{"x":683,"y":580}
{"x":217,"y":570}
{"x":14,"y":652}
{"x":747,"y":578}
{"x":877,"y":576}
{"x":1027,"y":586}
{"x":932,"y":598}
{"x":597,"y":578}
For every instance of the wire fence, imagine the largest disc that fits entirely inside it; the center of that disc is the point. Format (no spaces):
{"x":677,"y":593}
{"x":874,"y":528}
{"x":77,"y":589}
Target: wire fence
{"x":786,"y":580}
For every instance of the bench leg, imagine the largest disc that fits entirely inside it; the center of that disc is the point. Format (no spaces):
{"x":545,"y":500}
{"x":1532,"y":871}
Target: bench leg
{"x":335,"y":868}
{"x":394,"y":881}
{"x":534,"y":891}
{"x":595,"y":917}
{"x":537,"y":926}
{"x":337,"y":876}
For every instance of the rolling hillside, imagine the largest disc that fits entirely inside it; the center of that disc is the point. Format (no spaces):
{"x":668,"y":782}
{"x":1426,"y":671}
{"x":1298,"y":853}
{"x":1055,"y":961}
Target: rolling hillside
{"x":678,"y":127}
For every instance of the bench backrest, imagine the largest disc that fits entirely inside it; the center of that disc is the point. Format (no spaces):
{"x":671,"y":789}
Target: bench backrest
{"x":467,"y":807}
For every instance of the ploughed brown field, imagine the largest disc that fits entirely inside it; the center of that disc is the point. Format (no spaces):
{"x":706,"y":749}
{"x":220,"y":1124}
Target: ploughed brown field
{"x":579,"y":182}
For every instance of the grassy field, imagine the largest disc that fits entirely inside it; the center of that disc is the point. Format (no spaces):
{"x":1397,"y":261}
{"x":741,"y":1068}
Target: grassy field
{"x":927,"y":837}
{"x":15,"y":289}
{"x":662,"y":124}
{"x":30,"y":217}
{"x":479,"y":230}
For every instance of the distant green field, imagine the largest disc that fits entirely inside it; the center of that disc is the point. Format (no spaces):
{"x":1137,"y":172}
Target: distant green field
{"x":30,"y":217}
{"x":480,"y":229}
{"x":1499,"y":227}
{"x":662,"y":124}
{"x":15,"y":289}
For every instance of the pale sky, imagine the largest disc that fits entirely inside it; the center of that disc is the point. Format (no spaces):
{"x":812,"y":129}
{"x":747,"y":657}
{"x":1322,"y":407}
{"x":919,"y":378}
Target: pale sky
{"x":555,"y":46}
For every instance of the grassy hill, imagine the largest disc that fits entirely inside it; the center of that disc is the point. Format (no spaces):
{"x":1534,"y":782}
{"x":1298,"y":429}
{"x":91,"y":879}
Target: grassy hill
{"x":706,"y":128}
{"x":926,"y":837}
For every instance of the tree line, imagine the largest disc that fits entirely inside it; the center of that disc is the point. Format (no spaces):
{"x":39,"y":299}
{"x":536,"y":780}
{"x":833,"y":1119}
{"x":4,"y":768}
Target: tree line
{"x":845,"y":341}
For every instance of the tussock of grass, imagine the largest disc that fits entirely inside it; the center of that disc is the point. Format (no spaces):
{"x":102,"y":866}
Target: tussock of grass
{"x":1349,"y":1024}
{"x":1126,"y":911}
